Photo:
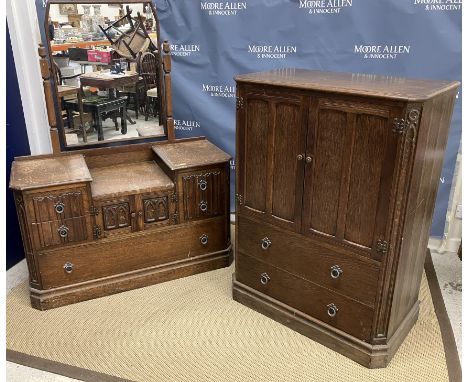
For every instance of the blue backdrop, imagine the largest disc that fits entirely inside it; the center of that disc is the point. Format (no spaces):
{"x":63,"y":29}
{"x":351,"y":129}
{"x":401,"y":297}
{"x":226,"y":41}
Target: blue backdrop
{"x":213,"y":41}
{"x":17,"y":145}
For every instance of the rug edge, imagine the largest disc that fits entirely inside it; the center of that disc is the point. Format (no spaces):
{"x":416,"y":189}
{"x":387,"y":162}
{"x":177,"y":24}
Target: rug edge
{"x":452,"y":359}
{"x":59,"y":368}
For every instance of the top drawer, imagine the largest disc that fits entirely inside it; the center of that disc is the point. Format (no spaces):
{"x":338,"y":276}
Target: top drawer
{"x":203,"y":193}
{"x":345,"y":273}
{"x":62,"y":204}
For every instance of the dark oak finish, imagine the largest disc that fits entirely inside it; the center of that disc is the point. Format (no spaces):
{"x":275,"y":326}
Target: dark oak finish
{"x":101,"y":221}
{"x":337,"y":176}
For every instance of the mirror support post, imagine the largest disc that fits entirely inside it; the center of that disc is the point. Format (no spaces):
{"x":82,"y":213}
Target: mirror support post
{"x":46,"y":74}
{"x":168,"y":91}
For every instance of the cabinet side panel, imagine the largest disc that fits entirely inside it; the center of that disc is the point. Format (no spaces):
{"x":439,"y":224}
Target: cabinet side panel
{"x":365,"y":179}
{"x":288,"y":139}
{"x":256,"y":135}
{"x":327,"y":173}
{"x":432,"y":140}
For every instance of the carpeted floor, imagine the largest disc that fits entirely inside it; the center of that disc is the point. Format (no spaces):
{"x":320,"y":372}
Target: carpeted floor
{"x":191,"y":330}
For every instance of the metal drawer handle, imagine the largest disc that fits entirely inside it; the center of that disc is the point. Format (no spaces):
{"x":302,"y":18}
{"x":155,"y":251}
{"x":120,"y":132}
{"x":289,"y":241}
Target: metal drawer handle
{"x":335,"y":272}
{"x":203,"y":206}
{"x":300,"y":157}
{"x":332,"y":310}
{"x":204,"y":239}
{"x":264,"y":278}
{"x":309,"y":159}
{"x":68,"y":267}
{"x":59,"y":207}
{"x":266,"y":243}
{"x":202,"y":184}
{"x":63,"y":231}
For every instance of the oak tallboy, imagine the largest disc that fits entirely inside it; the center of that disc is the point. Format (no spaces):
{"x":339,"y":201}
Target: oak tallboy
{"x":337,"y":176}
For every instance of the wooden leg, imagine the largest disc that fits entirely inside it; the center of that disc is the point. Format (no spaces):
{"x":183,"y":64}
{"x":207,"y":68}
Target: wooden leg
{"x":123,"y":120}
{"x":155,"y":107}
{"x":146,"y":107}
{"x":70,"y":119}
{"x":116,"y":122}
{"x":99,"y":126}
{"x":136,"y":101}
{"x":80,"y":109}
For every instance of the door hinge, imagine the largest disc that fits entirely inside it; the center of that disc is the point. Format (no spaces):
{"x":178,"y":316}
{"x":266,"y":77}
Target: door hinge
{"x":97,"y":232}
{"x":382,"y":246}
{"x":239,"y":102}
{"x":174,"y":198}
{"x":175,"y":218}
{"x":400,"y":125}
{"x":94,"y":211}
{"x":240,"y":199}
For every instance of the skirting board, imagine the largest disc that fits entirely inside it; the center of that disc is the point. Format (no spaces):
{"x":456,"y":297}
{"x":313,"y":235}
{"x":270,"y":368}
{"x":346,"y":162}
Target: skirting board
{"x":371,"y":356}
{"x":53,"y":298}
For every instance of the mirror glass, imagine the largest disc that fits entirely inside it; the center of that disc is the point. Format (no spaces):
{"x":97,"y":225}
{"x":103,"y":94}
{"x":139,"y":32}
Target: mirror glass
{"x":106,"y":68}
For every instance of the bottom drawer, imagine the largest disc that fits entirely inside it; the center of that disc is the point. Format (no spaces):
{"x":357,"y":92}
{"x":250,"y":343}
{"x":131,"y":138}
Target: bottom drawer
{"x":116,"y":255}
{"x":329,"y":307}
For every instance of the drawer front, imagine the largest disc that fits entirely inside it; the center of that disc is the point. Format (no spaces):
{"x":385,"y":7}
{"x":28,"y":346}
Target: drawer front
{"x":345,"y":273}
{"x":57,"y":205}
{"x":118,"y":254}
{"x":334,"y":309}
{"x":53,"y":233}
{"x":203,"y":194}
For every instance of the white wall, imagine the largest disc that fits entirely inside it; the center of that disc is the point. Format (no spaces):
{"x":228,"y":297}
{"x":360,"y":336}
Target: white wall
{"x":25,"y":37}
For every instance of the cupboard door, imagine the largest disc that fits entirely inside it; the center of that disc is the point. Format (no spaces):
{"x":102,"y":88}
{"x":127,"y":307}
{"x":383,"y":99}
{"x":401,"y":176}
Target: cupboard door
{"x":116,"y":216}
{"x":271,"y":157}
{"x":157,"y":209}
{"x":352,"y":153}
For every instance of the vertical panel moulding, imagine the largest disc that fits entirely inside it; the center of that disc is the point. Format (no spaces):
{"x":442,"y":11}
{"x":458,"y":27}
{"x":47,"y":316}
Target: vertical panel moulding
{"x":30,"y":257}
{"x":346,"y":175}
{"x":271,"y":131}
{"x":407,"y":129}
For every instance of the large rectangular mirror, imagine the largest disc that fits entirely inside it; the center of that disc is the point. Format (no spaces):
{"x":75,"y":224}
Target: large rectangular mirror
{"x":105,"y":64}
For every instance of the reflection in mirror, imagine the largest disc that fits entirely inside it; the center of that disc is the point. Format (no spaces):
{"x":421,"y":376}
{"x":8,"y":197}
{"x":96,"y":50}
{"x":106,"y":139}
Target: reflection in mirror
{"x":105,"y":61}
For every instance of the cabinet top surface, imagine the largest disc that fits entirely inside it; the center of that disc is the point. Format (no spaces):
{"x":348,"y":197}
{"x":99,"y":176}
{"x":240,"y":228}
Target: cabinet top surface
{"x":399,"y":88}
{"x":127,"y":179}
{"x":37,"y":173}
{"x":183,"y":155}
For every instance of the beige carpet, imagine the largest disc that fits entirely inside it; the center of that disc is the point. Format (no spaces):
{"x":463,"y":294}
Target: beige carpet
{"x":191,"y":330}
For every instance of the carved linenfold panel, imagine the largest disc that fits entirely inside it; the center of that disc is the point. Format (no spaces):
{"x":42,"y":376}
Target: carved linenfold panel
{"x":58,"y":206}
{"x":51,"y":233}
{"x":33,"y":277}
{"x":203,"y":195}
{"x":116,"y":216}
{"x":155,"y":209}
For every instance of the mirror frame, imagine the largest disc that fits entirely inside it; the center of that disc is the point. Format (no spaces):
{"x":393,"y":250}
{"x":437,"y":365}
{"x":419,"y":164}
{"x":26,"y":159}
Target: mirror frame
{"x":164,"y":103}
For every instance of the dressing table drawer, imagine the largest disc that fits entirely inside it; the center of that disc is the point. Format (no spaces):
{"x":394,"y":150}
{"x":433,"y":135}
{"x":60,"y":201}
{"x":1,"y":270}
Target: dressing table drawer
{"x":61,"y":232}
{"x":122,"y":254}
{"x":203,"y":193}
{"x":49,"y":205}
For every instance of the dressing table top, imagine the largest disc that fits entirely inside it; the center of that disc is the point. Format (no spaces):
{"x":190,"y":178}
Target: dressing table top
{"x":129,"y":178}
{"x":52,"y":171}
{"x":181,"y":155}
